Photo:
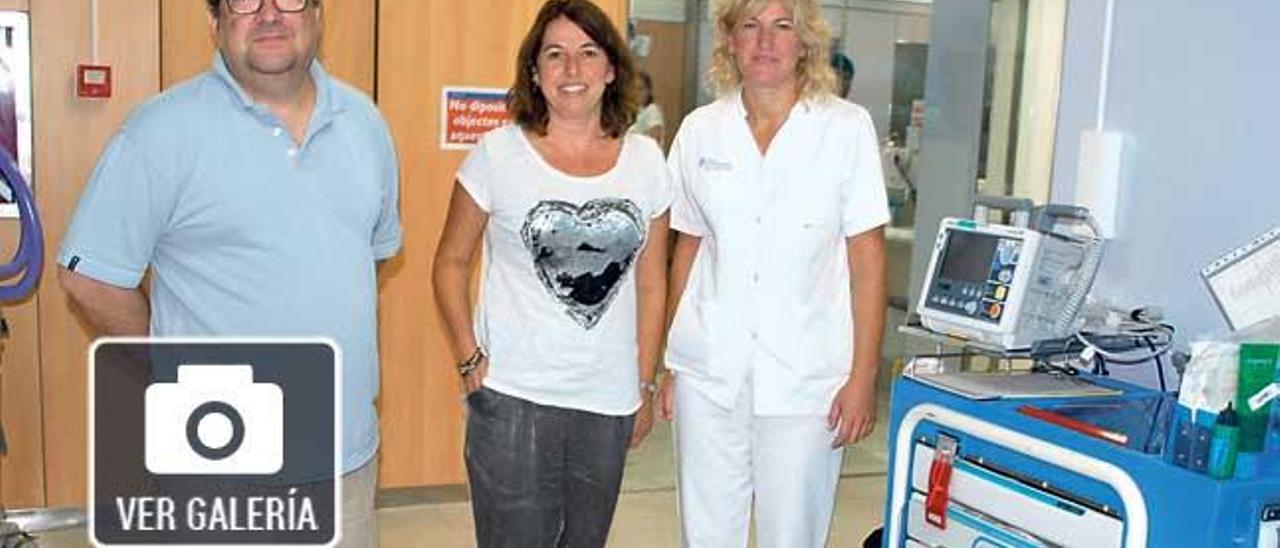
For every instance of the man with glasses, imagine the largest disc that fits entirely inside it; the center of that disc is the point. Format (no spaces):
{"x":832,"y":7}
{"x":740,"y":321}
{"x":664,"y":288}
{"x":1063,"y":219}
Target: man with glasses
{"x":260,"y":194}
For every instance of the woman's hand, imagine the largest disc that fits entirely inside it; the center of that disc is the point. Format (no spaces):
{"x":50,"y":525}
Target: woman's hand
{"x":643,"y":422}
{"x":667,"y":397}
{"x":853,"y":412}
{"x":475,"y":379}
{"x":451,"y":281}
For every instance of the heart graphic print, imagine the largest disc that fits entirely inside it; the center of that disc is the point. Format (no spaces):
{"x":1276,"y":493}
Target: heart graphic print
{"x":581,"y":254}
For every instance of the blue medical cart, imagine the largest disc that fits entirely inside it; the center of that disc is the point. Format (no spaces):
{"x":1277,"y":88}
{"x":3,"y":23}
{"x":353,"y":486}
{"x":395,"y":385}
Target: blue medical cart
{"x":1019,"y":481}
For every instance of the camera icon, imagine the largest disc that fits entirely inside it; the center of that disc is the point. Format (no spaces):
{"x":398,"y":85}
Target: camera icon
{"x":215,"y":420}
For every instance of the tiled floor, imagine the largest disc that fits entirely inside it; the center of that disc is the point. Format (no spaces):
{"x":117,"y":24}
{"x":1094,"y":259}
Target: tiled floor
{"x":645,"y":519}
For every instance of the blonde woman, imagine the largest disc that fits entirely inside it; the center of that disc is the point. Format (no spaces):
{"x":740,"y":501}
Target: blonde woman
{"x":779,"y":274}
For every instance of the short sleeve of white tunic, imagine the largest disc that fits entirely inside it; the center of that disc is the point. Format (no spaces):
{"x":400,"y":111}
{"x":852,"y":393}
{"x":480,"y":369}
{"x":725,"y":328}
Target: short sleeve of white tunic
{"x":557,"y":308}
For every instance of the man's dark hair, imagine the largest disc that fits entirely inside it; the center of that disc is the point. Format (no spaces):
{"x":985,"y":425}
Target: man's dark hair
{"x":525,"y":101}
{"x":843,"y":65}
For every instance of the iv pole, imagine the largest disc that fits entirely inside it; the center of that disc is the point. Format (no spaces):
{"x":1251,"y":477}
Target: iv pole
{"x":27,"y":261}
{"x":26,"y":265}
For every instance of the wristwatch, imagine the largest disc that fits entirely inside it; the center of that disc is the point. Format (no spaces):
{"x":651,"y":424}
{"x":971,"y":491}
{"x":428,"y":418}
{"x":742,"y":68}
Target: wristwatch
{"x":648,"y":388}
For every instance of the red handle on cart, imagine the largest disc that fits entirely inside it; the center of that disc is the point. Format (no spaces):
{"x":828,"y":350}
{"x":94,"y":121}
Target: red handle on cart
{"x":939,"y":495}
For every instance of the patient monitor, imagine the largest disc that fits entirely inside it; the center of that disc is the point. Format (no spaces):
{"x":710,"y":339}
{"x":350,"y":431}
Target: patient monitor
{"x":1010,"y":286}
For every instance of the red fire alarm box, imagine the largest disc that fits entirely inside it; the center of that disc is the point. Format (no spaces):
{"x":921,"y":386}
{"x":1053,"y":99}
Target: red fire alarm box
{"x":93,"y":81}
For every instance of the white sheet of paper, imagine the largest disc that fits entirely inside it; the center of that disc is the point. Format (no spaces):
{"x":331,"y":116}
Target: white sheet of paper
{"x":1244,"y":282}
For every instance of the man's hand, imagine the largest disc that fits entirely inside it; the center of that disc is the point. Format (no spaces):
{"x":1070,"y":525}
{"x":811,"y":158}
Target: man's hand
{"x":853,"y":412}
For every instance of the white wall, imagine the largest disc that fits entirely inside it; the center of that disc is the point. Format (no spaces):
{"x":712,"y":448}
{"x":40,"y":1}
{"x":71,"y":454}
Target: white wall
{"x":948,"y":162}
{"x":869,"y":39}
{"x":1191,"y":89}
{"x":672,"y":11}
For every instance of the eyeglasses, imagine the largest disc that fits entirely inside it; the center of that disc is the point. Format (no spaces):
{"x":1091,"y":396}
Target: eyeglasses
{"x":246,"y":7}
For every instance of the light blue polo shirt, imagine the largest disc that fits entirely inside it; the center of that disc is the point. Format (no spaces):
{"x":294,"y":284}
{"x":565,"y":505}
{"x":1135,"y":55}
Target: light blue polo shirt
{"x":246,"y":233}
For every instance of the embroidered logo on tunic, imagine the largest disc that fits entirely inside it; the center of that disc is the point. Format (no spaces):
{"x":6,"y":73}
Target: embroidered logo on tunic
{"x":712,"y":164}
{"x":582,"y":253}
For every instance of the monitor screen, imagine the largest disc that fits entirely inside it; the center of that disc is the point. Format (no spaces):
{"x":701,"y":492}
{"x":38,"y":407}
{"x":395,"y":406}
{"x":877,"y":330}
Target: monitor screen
{"x":968,"y":256}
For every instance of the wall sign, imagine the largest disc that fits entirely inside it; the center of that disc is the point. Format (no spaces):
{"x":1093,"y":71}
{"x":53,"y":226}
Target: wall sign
{"x":467,"y":113}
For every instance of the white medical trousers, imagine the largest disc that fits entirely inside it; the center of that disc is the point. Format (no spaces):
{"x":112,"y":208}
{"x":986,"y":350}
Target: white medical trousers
{"x":729,"y":458}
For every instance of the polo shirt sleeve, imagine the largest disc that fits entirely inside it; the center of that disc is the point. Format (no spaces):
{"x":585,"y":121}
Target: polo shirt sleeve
{"x":477,"y":170}
{"x":121,"y":214}
{"x":685,"y":215}
{"x":387,"y":234}
{"x":865,"y":205}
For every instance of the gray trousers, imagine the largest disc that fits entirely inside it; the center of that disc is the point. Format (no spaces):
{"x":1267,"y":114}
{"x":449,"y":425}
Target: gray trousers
{"x":542,"y":476}
{"x":359,"y":521}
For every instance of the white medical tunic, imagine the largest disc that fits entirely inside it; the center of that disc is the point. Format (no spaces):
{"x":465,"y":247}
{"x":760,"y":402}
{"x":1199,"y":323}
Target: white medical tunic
{"x":767,"y":302}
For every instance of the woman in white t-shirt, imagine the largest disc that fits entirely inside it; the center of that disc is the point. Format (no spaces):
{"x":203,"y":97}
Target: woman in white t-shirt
{"x":649,"y":120}
{"x":779,"y":268}
{"x":559,"y":357}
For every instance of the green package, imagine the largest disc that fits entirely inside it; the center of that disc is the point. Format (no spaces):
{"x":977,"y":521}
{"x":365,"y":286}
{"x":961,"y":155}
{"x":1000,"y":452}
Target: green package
{"x":1258,"y":365}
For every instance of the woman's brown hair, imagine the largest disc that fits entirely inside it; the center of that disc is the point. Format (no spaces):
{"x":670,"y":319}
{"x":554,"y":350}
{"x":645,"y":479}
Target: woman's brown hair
{"x":619,"y":104}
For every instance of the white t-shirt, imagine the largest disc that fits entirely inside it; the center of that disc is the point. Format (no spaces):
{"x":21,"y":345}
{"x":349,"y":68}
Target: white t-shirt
{"x":767,"y":303}
{"x":557,"y":309}
{"x":649,"y":117}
